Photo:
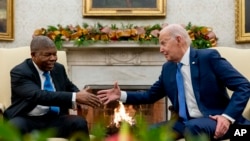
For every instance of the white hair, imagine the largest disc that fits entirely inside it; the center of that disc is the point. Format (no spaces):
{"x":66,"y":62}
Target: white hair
{"x":177,"y":30}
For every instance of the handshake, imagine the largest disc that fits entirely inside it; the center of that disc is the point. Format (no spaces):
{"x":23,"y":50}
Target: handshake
{"x":87,"y":97}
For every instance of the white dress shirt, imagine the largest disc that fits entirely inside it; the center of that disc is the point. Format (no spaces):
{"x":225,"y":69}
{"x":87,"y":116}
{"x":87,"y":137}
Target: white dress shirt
{"x":192,"y":105}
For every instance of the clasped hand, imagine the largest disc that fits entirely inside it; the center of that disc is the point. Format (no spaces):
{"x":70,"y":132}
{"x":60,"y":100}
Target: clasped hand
{"x":109,"y":95}
{"x":86,"y":97}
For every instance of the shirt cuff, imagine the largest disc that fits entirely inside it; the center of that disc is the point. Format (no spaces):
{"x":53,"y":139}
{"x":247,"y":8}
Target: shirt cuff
{"x":123,"y":97}
{"x":229,"y":118}
{"x":74,"y":105}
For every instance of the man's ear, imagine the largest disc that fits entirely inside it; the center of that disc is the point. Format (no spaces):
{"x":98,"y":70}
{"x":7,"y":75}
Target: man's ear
{"x":32,"y":54}
{"x":178,"y":39}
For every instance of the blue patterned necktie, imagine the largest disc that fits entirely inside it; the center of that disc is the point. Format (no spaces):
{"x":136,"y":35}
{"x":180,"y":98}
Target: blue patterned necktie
{"x":181,"y":93}
{"x":48,"y":86}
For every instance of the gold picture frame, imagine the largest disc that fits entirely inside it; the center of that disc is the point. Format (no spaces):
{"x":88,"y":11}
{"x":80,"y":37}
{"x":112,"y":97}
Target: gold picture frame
{"x":6,"y":20}
{"x":242,"y":21}
{"x":124,"y":7}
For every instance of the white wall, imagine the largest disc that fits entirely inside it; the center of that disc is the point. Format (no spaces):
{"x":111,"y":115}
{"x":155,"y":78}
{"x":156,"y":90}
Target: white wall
{"x":33,"y":14}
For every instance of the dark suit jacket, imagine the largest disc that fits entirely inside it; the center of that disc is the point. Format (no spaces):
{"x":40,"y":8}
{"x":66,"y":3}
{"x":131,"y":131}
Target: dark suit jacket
{"x":210,"y":76}
{"x":27,"y":94}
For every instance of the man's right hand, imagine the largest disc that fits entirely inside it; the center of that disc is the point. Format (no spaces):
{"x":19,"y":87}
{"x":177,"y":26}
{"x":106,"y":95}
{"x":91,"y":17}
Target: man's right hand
{"x":109,"y":95}
{"x":86,"y":97}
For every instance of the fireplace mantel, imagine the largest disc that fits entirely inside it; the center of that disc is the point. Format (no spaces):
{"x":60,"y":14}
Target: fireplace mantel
{"x":114,"y":61}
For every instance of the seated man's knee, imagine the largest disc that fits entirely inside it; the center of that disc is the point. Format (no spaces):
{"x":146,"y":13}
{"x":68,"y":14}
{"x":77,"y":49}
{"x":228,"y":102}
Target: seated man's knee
{"x":201,"y":126}
{"x":73,"y":125}
{"x":192,"y":128}
{"x":79,"y":122}
{"x":19,"y":124}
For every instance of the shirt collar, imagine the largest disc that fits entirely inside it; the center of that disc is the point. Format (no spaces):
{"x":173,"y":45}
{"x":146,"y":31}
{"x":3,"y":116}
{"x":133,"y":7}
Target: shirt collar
{"x":185,"y":58}
{"x":37,"y":68}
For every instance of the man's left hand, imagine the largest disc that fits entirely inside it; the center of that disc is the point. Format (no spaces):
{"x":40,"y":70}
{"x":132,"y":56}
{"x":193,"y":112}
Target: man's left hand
{"x":222,"y":126}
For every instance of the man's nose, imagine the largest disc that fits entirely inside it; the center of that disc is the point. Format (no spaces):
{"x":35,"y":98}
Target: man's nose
{"x":53,"y":57}
{"x":161,"y":49}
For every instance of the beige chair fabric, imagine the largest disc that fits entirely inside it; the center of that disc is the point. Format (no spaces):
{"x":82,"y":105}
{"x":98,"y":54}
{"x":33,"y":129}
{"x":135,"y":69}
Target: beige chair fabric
{"x":237,"y":57}
{"x":9,"y":57}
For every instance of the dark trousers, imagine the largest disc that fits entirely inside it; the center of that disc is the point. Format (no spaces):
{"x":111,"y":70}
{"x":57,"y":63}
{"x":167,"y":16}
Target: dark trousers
{"x":65,"y":126}
{"x":193,"y":127}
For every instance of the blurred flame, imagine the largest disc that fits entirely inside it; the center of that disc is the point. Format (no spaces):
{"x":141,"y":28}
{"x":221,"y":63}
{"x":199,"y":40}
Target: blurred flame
{"x":121,"y":115}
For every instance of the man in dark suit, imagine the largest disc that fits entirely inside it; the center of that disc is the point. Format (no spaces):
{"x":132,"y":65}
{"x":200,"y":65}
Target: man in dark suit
{"x":32,"y":103}
{"x":208,"y":108}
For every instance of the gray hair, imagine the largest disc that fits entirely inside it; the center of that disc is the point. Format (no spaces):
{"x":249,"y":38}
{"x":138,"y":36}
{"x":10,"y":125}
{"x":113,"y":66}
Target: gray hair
{"x":178,"y":30}
{"x":41,"y":41}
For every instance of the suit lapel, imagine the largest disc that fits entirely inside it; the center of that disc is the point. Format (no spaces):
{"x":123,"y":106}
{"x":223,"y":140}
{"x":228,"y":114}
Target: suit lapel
{"x":55,"y":78}
{"x":34,"y":70}
{"x":194,"y":70}
{"x":171,"y":81}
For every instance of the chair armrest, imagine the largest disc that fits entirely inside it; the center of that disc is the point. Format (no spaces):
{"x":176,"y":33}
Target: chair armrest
{"x":246,"y":112}
{"x":2,"y":108}
{"x":173,"y":114}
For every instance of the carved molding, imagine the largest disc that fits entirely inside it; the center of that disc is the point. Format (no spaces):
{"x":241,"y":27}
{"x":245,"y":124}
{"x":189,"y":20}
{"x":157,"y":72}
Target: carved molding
{"x":123,"y":56}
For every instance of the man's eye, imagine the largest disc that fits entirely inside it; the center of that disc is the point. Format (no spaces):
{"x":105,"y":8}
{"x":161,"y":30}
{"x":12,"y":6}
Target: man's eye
{"x":46,"y":55}
{"x":163,"y":43}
